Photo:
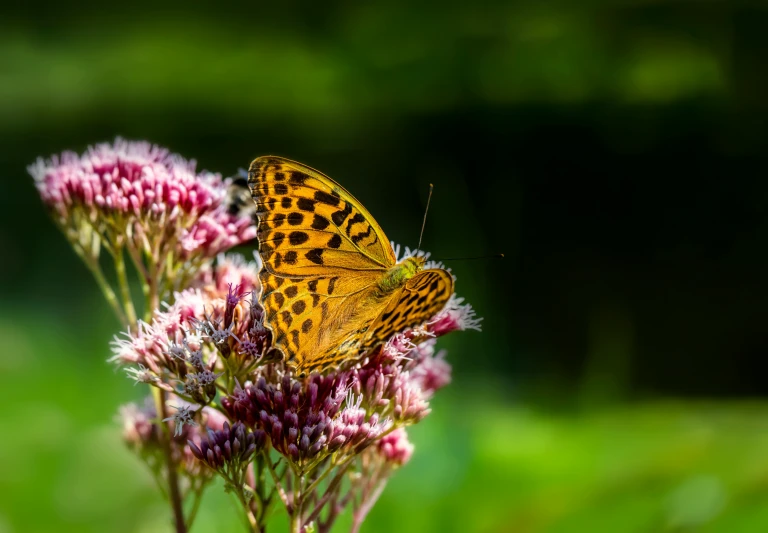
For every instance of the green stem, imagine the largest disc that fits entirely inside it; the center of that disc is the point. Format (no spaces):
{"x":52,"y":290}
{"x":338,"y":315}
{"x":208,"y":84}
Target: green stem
{"x":252,"y":520}
{"x":319,"y":479}
{"x":368,"y":499}
{"x":332,"y":486}
{"x":122,"y":280}
{"x":153,"y":299}
{"x":276,"y":480}
{"x":93,"y":265}
{"x":298,"y":503}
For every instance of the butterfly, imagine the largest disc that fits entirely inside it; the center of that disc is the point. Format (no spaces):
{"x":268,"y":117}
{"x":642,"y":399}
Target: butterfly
{"x":332,"y":288}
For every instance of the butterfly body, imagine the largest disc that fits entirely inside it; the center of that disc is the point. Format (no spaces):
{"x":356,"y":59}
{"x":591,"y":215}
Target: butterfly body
{"x":332,"y":286}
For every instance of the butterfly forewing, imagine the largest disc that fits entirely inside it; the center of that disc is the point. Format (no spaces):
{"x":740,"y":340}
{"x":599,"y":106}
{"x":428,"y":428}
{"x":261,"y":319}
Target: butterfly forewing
{"x":308,"y":224}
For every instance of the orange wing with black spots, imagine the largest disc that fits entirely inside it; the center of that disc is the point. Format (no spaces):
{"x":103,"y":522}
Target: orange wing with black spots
{"x":309,"y":225}
{"x":423,"y":297}
{"x":324,"y":258}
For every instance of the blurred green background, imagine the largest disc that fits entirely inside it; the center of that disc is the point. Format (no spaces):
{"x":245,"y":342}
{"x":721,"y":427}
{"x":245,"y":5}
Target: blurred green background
{"x":615,"y":151}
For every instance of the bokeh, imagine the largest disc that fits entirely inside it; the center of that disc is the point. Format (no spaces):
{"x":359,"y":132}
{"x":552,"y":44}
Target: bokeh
{"x":614,"y":151}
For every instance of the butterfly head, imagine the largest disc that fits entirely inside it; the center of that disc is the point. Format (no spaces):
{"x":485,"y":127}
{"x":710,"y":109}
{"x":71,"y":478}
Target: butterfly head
{"x":412,"y":265}
{"x":398,"y":275}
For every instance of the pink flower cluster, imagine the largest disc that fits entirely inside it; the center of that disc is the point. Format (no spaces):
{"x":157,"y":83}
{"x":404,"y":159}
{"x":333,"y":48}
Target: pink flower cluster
{"x":142,"y":187}
{"x":174,"y":332}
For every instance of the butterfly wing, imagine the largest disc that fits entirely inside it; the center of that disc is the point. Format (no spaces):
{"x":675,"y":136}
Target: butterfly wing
{"x":422,"y":297}
{"x":310,"y":226}
{"x":322,"y":253}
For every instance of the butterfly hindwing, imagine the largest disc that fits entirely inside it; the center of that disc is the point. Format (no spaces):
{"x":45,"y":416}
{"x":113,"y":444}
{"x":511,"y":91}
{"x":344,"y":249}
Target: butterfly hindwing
{"x":420,"y":299}
{"x":307,"y":315}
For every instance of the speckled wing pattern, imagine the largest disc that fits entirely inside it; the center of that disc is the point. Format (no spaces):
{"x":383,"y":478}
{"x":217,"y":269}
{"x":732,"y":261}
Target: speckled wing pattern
{"x":323,"y":255}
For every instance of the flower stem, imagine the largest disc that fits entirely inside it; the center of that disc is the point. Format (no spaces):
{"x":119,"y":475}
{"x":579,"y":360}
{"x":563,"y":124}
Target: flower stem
{"x":298,"y":503}
{"x":332,"y":486}
{"x":362,"y":512}
{"x":109,"y":294}
{"x":173,"y":479}
{"x":276,"y":480}
{"x":252,"y":520}
{"x":125,"y":288}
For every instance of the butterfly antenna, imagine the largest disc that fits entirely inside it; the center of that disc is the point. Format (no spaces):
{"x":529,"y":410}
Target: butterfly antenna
{"x":494,"y":256}
{"x":424,"y":222}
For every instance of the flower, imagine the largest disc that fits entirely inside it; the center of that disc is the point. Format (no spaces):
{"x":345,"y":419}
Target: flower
{"x":141,"y":375}
{"x":455,"y":316}
{"x":231,"y":270}
{"x":395,"y":448}
{"x":234,"y":445}
{"x":139,"y":432}
{"x":431,"y":372}
{"x":183,"y":416}
{"x":306,"y":420}
{"x":204,"y":322}
{"x":137,"y":201}
{"x":141,"y":187}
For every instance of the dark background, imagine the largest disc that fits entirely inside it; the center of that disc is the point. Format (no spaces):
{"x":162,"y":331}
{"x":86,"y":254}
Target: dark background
{"x":613,"y":151}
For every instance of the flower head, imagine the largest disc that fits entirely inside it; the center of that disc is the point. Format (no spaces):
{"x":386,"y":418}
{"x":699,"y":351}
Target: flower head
{"x":184,"y":340}
{"x":184,"y":415}
{"x":395,"y":447}
{"x":136,"y":200}
{"x":139,"y":430}
{"x":142,"y":188}
{"x":234,"y":445}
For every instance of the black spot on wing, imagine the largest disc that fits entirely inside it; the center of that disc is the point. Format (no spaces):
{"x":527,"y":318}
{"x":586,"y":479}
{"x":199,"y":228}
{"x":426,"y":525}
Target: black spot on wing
{"x":269,"y":203}
{"x":291,"y":257}
{"x":281,"y":189}
{"x":291,"y":291}
{"x":315,"y":255}
{"x":305,"y":204}
{"x":335,"y":241}
{"x":332,"y":284}
{"x":325,"y":198}
{"x":298,"y":237}
{"x":338,"y":217}
{"x":294,"y":219}
{"x":320,"y":223}
{"x":298,"y":177}
{"x":298,"y":307}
